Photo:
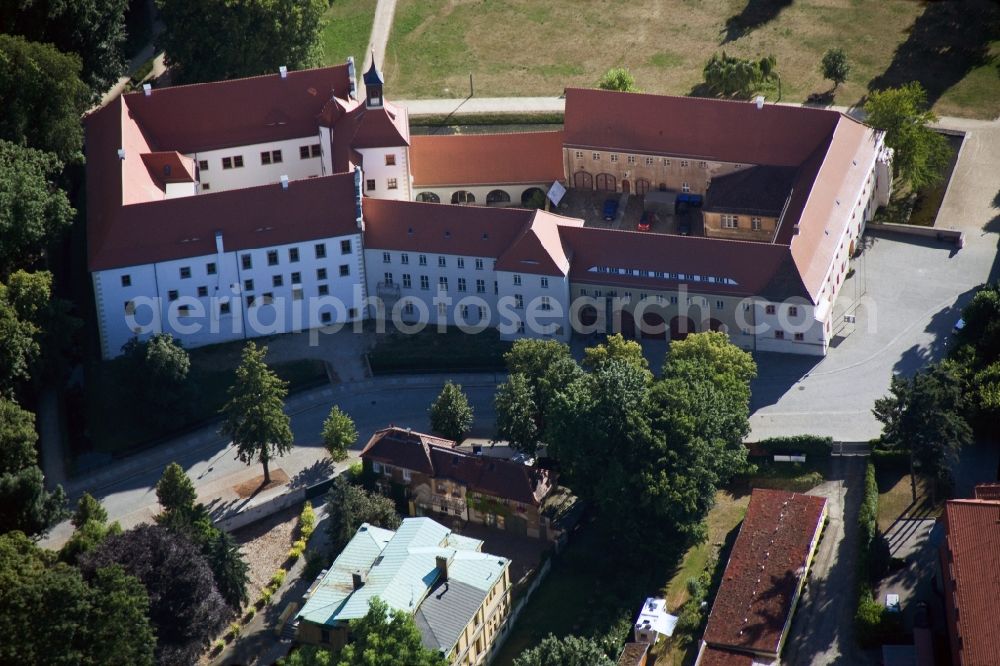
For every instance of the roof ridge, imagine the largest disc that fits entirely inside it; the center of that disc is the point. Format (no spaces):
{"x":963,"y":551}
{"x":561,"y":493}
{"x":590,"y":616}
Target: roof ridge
{"x":482,"y":134}
{"x":817,"y":110}
{"x":186,"y":86}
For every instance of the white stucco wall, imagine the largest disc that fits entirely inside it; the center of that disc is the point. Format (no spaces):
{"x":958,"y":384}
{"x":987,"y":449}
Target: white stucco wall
{"x":376,"y":169}
{"x":533,"y":290}
{"x":253,"y":172}
{"x":480,"y":192}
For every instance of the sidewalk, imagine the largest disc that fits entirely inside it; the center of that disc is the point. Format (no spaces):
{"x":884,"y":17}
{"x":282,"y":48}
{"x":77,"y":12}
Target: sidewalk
{"x":385,"y":11}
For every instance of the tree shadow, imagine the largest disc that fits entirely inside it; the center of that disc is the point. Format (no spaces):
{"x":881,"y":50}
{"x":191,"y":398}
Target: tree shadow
{"x":821,"y":98}
{"x":755,"y":14}
{"x":945,"y":42}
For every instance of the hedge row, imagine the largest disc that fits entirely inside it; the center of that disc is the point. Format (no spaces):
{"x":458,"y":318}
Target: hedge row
{"x":811,"y":445}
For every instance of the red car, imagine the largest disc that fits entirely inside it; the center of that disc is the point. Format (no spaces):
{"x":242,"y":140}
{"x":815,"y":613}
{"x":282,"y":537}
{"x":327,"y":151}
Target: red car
{"x":646,"y":223}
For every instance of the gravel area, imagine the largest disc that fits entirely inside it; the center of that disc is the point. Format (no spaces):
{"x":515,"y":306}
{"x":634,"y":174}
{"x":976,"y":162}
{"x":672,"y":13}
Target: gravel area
{"x":265,"y":545}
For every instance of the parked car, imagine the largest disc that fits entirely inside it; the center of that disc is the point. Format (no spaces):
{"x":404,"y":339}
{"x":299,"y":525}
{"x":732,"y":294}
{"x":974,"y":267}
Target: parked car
{"x":684,"y":225}
{"x":647,"y":221}
{"x":610,"y":209}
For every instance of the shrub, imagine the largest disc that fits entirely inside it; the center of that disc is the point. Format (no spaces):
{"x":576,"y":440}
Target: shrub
{"x":356,"y":470}
{"x":307,"y":521}
{"x":300,"y":544}
{"x":219,"y":646}
{"x":811,"y":445}
{"x":277,"y":579}
{"x":249,"y":614}
{"x":234,"y":630}
{"x":293,"y":554}
{"x":265,"y":597}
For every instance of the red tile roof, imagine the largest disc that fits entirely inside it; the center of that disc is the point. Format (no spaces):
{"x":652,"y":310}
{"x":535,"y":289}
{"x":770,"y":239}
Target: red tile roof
{"x":169,"y":166}
{"x":634,"y":654}
{"x":707,"y":129}
{"x":987,"y":491}
{"x":754,"y":601}
{"x":186,"y":226}
{"x":436,"y":458}
{"x":539,"y":249}
{"x":711,"y":656}
{"x":486,"y":159}
{"x":973,"y":542}
{"x":239,"y":112}
{"x":756,"y":268}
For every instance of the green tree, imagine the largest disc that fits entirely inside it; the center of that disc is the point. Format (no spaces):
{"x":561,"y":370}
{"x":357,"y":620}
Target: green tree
{"x":516,"y":413}
{"x":348,"y":506}
{"x":982,"y":325}
{"x":219,"y":39}
{"x":49,"y":614}
{"x":732,"y":76}
{"x":451,"y":415}
{"x":33,"y":212}
{"x":566,"y":651}
{"x":921,"y":154}
{"x":25,"y":505}
{"x":309,"y":655}
{"x":44,"y":97}
{"x":618,"y":347}
{"x":88,"y":508}
{"x":23,"y":300}
{"x":254,"y":416}
{"x":617,"y":78}
{"x":175,"y":491}
{"x":385,"y":637}
{"x":835,"y":66}
{"x":92,"y":29}
{"x":924,"y":416}
{"x":548,"y":367}
{"x":339,"y":433}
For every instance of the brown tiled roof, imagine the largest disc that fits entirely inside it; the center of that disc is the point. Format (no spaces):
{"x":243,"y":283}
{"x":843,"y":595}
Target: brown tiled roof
{"x":987,"y":491}
{"x":208,"y":116}
{"x":753,"y":266}
{"x":759,"y":190}
{"x":186,"y":226}
{"x":169,"y":166}
{"x":539,"y":249}
{"x":973,"y":541}
{"x":486,"y":159}
{"x":633,"y":654}
{"x":472,"y":231}
{"x":437,"y":458}
{"x":709,"y":129}
{"x":711,"y":656}
{"x":754,"y":601}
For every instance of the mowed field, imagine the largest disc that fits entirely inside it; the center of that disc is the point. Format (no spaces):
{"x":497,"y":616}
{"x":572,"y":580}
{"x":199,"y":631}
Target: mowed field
{"x":346,"y":30}
{"x":535,"y":47}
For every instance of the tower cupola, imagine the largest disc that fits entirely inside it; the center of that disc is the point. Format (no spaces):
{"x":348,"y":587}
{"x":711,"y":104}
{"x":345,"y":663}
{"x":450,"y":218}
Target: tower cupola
{"x":373,"y":86}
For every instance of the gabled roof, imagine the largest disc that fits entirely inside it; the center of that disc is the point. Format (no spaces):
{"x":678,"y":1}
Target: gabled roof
{"x":486,"y":159}
{"x":973,"y":542}
{"x":754,"y":601}
{"x":169,"y":166}
{"x":539,"y":249}
{"x":401,"y":569}
{"x":239,"y":112}
{"x":436,"y":458}
{"x":709,"y":129}
{"x":470,"y":231}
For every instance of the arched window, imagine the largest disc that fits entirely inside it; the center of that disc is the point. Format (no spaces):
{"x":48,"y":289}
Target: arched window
{"x":497,"y":197}
{"x":533,"y":197}
{"x":463,"y":197}
{"x":428,"y":197}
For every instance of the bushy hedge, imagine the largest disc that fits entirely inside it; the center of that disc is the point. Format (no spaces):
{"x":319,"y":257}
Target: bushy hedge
{"x":811,"y":445}
{"x":874,"y":624}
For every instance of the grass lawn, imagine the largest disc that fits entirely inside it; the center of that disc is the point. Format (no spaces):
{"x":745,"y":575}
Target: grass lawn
{"x":346,"y":30}
{"x":796,"y":477}
{"x":895,"y":496}
{"x":525,"y":47}
{"x":117,"y":422}
{"x":430,"y":351}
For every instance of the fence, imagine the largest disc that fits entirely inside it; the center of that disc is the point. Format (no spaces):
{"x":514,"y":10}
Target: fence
{"x":516,"y":611}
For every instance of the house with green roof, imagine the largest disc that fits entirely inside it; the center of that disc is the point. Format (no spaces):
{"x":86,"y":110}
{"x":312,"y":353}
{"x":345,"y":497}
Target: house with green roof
{"x":459,"y":596}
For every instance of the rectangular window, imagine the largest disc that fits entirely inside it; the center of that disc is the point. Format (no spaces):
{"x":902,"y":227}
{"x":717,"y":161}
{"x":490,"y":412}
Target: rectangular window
{"x":631,"y":159}
{"x":465,"y":312}
{"x":267,"y":298}
{"x":315,"y":150}
{"x":545,"y":283}
{"x":480,"y":286}
{"x":730,"y":222}
{"x":126,"y":280}
{"x":685,"y":187}
{"x":206,"y":186}
{"x":326,"y":318}
{"x":408,"y":308}
{"x":442,"y":262}
{"x":684,"y":164}
{"x":202,"y":291}
{"x":666,"y":162}
{"x":251,"y":301}
{"x":224,"y":308}
{"x":793,"y":311}
{"x":323,"y":289}
{"x":649,"y":161}
{"x":185,"y":272}
{"x":390,"y":159}
{"x":779,"y":335}
{"x":277,"y":280}
{"x":297,"y":294}
{"x":387,"y":278}
{"x":703,"y":165}
{"x":425,"y":282}
{"x":755,"y":223}
{"x":320,"y":273}
{"x":546,"y":305}
{"x":210,"y":268}
{"x":386,"y":258}
{"x":719,"y":305}
{"x":203,"y":165}
{"x":247,"y":285}
{"x":276,"y":156}
{"x":461,"y":262}
{"x":406,"y":281}
{"x":370,"y":184}
{"x":172,"y":295}
{"x":293,"y":255}
{"x":799,"y":337}
{"x":461,"y":284}
{"x":303,"y":152}
{"x":579,"y":154}
{"x":184,"y":310}
{"x":673,"y":300}
{"x":769,"y":310}
{"x":272,"y":257}
{"x":345,"y":270}
{"x":596,"y":156}
{"x":519,"y":301}
{"x":422,"y":260}
{"x":479,"y":264}
{"x":227,"y":162}
{"x":614,"y":157}
{"x":391,"y":183}
{"x":520,"y":327}
{"x":404,"y":259}
{"x":517,"y":280}
{"x":265,"y":157}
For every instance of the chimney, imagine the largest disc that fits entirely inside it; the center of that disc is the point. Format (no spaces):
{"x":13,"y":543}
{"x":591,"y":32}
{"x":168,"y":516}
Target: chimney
{"x":121,"y":153}
{"x":759,"y":102}
{"x":441,"y":562}
{"x":283,"y":71}
{"x":284,"y":182}
{"x":357,"y":580}
{"x":147,"y":89}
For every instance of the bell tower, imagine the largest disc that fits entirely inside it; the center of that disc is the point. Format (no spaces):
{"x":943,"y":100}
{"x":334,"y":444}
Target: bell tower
{"x":373,"y":86}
